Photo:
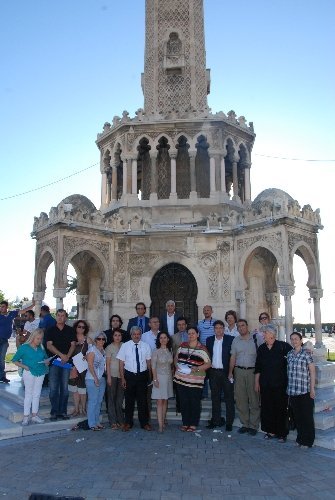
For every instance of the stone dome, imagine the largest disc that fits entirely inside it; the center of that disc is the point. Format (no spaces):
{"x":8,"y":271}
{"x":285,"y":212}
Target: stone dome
{"x":78,"y":201}
{"x":272,"y":196}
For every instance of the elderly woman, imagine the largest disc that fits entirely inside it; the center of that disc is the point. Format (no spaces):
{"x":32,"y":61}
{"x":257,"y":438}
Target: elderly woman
{"x":77,"y":383}
{"x":301,"y":390}
{"x":95,"y":382}
{"x":231,"y":320}
{"x":191,"y":362}
{"x":271,"y":383}
{"x":31,"y":356}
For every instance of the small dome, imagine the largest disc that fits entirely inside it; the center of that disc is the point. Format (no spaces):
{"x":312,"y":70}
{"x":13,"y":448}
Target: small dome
{"x":78,"y":201}
{"x":272,"y":196}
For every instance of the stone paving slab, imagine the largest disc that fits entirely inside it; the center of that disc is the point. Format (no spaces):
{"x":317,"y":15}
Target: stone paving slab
{"x":169,"y":466}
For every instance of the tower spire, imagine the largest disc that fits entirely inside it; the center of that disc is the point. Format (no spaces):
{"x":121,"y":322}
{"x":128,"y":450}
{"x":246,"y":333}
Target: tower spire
{"x":175,"y":75}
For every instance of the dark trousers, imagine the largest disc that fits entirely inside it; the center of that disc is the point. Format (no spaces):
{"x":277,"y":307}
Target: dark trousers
{"x":115,"y":394}
{"x":219,"y":383}
{"x":274,"y":410}
{"x":190,"y":404}
{"x":303,"y":412}
{"x":136,"y":390}
{"x":58,"y":389}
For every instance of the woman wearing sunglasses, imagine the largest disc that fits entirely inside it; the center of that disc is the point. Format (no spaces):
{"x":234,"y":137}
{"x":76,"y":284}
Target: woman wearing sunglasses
{"x":95,"y":381}
{"x":77,"y":383}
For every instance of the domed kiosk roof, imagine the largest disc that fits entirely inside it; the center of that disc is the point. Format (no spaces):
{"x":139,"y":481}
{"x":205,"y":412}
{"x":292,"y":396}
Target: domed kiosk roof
{"x":272,"y":196}
{"x":78,"y":201}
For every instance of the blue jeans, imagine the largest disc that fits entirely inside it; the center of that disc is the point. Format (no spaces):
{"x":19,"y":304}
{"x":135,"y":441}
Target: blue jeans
{"x":3,"y":350}
{"x":58,"y":390}
{"x":94,"y":399}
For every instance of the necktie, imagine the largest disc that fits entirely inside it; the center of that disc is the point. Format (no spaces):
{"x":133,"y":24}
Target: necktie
{"x":137,"y":359}
{"x":141,"y":325}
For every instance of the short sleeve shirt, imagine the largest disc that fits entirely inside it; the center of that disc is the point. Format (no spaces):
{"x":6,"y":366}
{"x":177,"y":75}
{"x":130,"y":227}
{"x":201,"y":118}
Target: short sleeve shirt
{"x":6,"y":321}
{"x":245,"y":351}
{"x":127,"y":353}
{"x":61,"y":339}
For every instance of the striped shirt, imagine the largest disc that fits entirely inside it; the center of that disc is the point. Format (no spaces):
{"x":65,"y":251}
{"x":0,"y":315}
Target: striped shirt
{"x":192,"y":357}
{"x":299,"y":380}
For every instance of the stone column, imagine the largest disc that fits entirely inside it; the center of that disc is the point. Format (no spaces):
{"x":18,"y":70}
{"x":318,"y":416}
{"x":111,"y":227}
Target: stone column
{"x":107,"y":298}
{"x":134,"y":176}
{"x":241,"y":297}
{"x":316,"y":295}
{"x":223,"y":174}
{"x":109,"y":187}
{"x":273,"y":300}
{"x":280,"y":323}
{"x":287,"y":291}
{"x":173,"y":194}
{"x":104,"y":189}
{"x":153,"y":175}
{"x":212,"y":175}
{"x":82,"y":301}
{"x":38,"y":297}
{"x":125,"y":176}
{"x":114,"y":181}
{"x":235,"y":179}
{"x":59,"y":294}
{"x":193,"y":193}
{"x":247,"y":186}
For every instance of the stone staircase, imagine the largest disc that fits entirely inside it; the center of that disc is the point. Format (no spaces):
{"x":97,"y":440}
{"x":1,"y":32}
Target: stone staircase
{"x":12,"y":396}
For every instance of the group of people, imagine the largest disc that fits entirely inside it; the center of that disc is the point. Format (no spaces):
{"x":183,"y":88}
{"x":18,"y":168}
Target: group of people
{"x":158,"y":358}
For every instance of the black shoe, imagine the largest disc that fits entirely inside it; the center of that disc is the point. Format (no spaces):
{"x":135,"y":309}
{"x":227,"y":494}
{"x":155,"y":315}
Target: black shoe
{"x":252,"y":432}
{"x":229,"y":428}
{"x":222,"y":422}
{"x":4,"y":380}
{"x":53,"y":418}
{"x":63,"y":417}
{"x":243,"y":430}
{"x":211,"y":425}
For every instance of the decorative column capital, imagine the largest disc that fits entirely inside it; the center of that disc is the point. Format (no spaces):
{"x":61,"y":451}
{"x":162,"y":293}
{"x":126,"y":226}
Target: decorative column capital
{"x":173,"y":155}
{"x":286,"y":290}
{"x":59,"y":293}
{"x":316,"y":293}
{"x":192,"y":154}
{"x":82,"y":300}
{"x":38,"y":296}
{"x":106,"y":296}
{"x":272,"y":299}
{"x":240,"y":295}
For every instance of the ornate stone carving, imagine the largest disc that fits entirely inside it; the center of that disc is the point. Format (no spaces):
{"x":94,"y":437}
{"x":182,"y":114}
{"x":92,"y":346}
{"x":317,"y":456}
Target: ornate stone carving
{"x":316,"y":293}
{"x":82,"y":300}
{"x":71,"y":244}
{"x":224,"y":248}
{"x":294,"y":238}
{"x":286,"y":290}
{"x":209,"y":262}
{"x":52,"y":243}
{"x":272,"y":241}
{"x":273,"y":299}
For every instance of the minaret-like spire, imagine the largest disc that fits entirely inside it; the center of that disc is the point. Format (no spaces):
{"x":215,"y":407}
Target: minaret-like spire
{"x":175,"y":75}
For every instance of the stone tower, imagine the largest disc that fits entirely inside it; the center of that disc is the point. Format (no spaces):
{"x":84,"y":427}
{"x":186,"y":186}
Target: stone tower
{"x":175,"y":75}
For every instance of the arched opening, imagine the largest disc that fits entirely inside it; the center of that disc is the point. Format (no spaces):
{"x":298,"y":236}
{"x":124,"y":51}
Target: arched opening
{"x":242,"y":153}
{"x":261,"y":276}
{"x":183,"y":174}
{"x":202,"y":168}
{"x":229,"y":159}
{"x":119,"y":171}
{"x":174,"y":282}
{"x":144,"y":169}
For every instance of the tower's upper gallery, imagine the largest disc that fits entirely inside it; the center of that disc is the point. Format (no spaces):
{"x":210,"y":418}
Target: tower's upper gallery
{"x":175,"y":75}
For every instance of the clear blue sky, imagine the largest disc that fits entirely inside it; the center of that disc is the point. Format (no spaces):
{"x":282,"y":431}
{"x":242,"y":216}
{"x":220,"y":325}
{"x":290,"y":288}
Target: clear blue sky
{"x":69,"y":66}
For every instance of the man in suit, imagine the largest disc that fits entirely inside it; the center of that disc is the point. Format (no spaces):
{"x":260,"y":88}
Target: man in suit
{"x":219,"y":346}
{"x":168,"y":322}
{"x":141,"y":320}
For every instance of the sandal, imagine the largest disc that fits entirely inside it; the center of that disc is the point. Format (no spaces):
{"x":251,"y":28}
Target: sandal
{"x":75,"y":413}
{"x":184,"y":428}
{"x":269,"y":436}
{"x":95,"y":429}
{"x":191,"y":428}
{"x":100,"y":426}
{"x":115,"y":427}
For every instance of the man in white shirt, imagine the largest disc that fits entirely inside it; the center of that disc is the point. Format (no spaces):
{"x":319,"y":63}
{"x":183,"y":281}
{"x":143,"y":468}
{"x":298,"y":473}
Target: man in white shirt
{"x":30,"y":325}
{"x":150,"y":337}
{"x":135,"y":365}
{"x":168,"y":321}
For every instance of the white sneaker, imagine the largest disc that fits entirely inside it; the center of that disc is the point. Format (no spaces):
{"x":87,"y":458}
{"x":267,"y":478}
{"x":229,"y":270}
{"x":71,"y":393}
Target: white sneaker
{"x":25,"y":421}
{"x":37,"y":420}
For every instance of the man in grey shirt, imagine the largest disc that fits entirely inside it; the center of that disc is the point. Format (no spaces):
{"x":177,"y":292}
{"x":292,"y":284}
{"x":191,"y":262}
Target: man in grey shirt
{"x":242,"y":364}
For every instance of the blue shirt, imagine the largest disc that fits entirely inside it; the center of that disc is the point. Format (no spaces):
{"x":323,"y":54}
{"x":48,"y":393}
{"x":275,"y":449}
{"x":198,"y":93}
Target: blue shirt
{"x":47,"y":322}
{"x":31,"y":357}
{"x":206,"y":329}
{"x":6,"y":321}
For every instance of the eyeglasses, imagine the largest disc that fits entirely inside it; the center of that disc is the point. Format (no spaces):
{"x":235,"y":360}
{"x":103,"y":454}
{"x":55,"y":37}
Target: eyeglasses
{"x":263,"y":317}
{"x":100,"y":338}
{"x":81,"y":326}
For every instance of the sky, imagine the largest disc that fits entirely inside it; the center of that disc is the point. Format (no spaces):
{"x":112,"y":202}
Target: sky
{"x":69,"y":66}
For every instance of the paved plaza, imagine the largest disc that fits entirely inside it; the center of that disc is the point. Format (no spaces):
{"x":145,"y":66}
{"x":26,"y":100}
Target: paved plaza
{"x":174,"y":465}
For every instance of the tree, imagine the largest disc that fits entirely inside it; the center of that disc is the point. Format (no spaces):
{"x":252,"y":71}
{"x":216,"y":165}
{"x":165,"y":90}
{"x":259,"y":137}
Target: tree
{"x":72,"y":284}
{"x":2,"y":296}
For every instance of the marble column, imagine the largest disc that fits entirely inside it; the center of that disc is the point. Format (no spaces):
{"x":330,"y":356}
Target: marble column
{"x":212,"y":174}
{"x":134,"y":176}
{"x":59,"y":294}
{"x":38,"y":298}
{"x":107,"y":298}
{"x":235,"y":178}
{"x":247,"y":185}
{"x":287,"y":291}
{"x":241,"y":297}
{"x":104,"y":189}
{"x":153,"y":174}
{"x":82,"y":301}
{"x":114,"y":183}
{"x":125,"y":176}
{"x":223,"y":174}
{"x":273,"y":301}
{"x":192,"y":155}
{"x":316,"y":295}
{"x":173,"y":194}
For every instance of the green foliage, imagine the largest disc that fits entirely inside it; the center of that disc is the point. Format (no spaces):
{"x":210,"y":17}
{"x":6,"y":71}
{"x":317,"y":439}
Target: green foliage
{"x":72,"y":284}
